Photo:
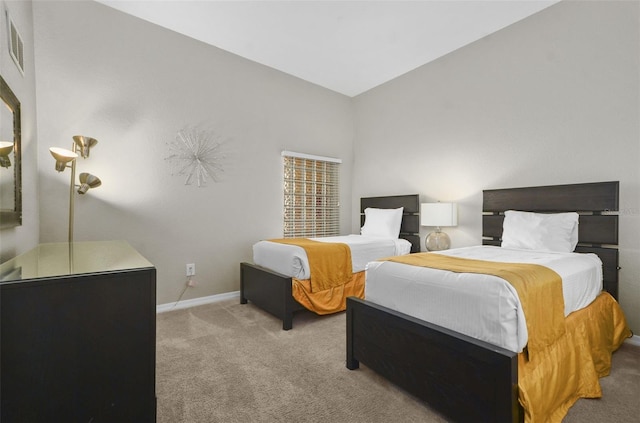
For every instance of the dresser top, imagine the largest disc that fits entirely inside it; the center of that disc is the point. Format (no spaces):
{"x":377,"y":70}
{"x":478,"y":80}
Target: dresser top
{"x":76,"y":258}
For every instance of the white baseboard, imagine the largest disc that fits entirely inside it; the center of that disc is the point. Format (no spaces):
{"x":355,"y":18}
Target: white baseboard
{"x":161,"y":308}
{"x":634,"y":340}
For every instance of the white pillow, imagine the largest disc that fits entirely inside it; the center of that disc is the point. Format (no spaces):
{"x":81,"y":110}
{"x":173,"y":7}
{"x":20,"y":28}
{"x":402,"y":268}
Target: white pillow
{"x":382,"y":223}
{"x":540,"y":231}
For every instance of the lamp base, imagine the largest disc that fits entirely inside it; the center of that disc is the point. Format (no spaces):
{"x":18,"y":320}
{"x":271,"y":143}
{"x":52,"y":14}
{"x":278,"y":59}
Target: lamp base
{"x":437,"y":241}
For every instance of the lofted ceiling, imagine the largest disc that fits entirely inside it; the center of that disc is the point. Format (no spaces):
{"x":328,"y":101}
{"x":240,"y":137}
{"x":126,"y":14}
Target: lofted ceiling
{"x":345,"y":46}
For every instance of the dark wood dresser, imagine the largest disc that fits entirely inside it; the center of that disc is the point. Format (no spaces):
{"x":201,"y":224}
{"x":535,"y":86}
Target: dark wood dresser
{"x":77,"y":334}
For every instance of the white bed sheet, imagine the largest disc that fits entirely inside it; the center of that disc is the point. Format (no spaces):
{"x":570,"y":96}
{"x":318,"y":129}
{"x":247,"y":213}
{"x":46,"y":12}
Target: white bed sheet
{"x":482,"y":306}
{"x":292,"y":261}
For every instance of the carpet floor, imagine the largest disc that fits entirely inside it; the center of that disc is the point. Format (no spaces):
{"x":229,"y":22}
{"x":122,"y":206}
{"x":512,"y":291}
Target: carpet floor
{"x":227,"y":362}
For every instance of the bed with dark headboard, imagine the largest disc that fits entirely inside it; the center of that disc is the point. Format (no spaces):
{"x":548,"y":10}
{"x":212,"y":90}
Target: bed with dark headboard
{"x":410,"y":226}
{"x":464,"y":378}
{"x":272,"y":291}
{"x":598,"y":231}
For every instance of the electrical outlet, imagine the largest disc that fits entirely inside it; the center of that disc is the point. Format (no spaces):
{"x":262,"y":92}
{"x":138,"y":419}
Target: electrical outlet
{"x":191,"y":269}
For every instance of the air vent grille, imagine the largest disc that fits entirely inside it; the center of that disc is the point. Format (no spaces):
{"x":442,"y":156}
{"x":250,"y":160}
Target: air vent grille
{"x":16,"y":46}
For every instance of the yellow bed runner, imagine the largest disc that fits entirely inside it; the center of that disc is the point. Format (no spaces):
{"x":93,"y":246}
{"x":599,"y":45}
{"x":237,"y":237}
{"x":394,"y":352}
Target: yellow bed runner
{"x":329,"y":262}
{"x":539,"y":289}
{"x":332,"y":279}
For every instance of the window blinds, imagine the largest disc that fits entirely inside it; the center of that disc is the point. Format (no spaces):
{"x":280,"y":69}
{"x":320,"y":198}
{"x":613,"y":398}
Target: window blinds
{"x":311,"y":196}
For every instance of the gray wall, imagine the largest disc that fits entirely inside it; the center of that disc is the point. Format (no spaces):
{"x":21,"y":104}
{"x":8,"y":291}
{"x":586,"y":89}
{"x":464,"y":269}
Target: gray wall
{"x":133,"y":85}
{"x":553,"y":99}
{"x":14,"y":241}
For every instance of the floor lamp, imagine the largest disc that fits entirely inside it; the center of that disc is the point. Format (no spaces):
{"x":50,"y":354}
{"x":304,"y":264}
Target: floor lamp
{"x":67,"y":158}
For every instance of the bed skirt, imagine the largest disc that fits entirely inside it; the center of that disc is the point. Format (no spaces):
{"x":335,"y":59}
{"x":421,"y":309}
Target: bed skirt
{"x":553,"y":380}
{"x":331,"y":300}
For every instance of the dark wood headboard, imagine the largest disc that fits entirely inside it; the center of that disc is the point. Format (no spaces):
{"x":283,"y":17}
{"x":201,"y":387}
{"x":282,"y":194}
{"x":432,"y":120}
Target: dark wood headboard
{"x":410,"y":227}
{"x":597,"y":232}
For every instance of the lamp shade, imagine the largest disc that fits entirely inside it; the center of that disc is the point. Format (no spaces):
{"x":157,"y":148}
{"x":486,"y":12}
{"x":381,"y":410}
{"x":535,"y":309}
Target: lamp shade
{"x":88,"y":181}
{"x":6,"y":147}
{"x":84,"y":144}
{"x":438,"y":214}
{"x":62,"y":156}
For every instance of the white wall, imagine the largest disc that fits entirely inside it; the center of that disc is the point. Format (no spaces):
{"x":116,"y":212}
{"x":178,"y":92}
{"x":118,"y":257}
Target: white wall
{"x":553,"y":99}
{"x":14,"y":241}
{"x":132,"y":85}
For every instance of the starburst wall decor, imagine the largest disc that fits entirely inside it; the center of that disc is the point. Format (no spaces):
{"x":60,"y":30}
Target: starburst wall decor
{"x":197,"y":155}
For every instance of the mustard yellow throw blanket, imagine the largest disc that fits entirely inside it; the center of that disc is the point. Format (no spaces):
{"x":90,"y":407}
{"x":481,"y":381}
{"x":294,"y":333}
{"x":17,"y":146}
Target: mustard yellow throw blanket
{"x":539,"y":289}
{"x":329,"y":262}
{"x":332,"y":279}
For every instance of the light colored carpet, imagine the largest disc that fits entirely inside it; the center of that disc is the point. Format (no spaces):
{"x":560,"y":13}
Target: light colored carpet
{"x":227,"y":362}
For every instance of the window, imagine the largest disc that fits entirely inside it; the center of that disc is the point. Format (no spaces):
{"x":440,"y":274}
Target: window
{"x":311,"y":195}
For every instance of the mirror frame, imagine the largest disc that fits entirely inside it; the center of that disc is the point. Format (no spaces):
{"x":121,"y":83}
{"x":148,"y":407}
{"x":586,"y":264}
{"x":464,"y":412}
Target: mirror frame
{"x":10,"y":218}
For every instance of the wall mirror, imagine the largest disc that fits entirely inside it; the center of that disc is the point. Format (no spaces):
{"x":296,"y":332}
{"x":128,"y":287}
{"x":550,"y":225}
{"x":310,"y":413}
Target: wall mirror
{"x":10,"y":159}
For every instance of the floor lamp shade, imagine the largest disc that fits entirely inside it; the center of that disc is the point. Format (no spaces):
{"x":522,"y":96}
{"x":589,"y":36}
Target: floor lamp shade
{"x":438,"y":215}
{"x":6,"y":147}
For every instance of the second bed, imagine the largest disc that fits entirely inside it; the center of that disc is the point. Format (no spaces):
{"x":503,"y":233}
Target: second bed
{"x":279,"y":268}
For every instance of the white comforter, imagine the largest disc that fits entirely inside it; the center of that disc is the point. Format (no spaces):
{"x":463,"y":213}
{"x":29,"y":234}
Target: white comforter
{"x":292,"y":261}
{"x":482,"y":306}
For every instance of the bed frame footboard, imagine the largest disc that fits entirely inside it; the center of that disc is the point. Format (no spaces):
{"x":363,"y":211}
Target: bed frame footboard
{"x":269,"y":290}
{"x":463,"y":378}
